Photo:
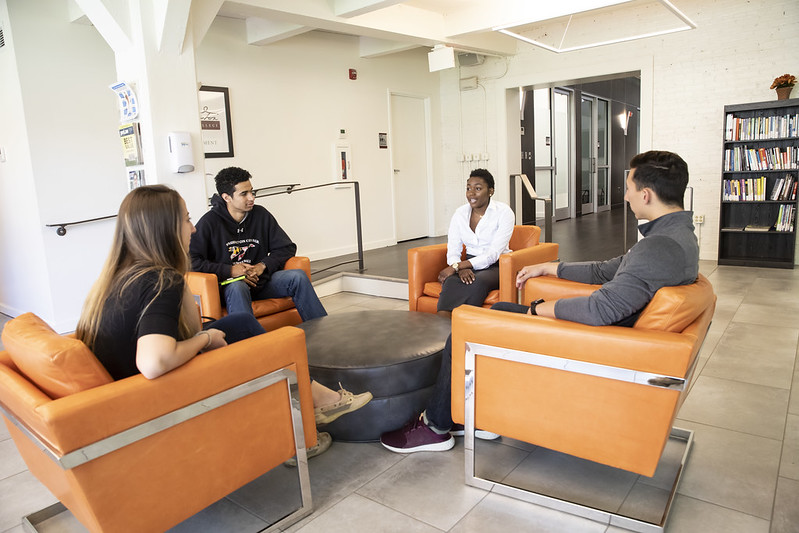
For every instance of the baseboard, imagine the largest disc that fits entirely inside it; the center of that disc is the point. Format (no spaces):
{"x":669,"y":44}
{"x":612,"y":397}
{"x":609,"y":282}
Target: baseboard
{"x":362,"y":284}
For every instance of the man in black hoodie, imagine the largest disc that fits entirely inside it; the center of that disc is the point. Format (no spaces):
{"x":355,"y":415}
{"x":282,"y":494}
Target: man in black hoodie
{"x":238,"y":238}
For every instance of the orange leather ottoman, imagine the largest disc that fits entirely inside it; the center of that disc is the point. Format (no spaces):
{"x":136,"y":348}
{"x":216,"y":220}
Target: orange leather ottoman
{"x":396,"y":355}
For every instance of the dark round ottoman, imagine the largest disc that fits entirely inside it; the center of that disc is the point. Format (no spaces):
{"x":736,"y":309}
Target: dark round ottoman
{"x":395,"y":355}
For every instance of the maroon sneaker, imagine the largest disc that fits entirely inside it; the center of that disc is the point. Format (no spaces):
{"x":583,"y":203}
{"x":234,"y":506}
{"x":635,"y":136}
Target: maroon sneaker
{"x":415,"y":436}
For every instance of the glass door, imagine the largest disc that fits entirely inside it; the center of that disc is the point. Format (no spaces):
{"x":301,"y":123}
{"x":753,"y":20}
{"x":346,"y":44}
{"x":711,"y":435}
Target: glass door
{"x":602,"y":155}
{"x":561,"y":194}
{"x":544,"y":169}
{"x":587,"y":154}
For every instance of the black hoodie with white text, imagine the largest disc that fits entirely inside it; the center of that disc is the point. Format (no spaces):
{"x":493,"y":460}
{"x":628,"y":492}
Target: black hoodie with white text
{"x":220,"y":242}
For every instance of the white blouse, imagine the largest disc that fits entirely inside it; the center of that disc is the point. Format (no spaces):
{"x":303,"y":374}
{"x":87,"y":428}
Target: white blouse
{"x":489,"y":240}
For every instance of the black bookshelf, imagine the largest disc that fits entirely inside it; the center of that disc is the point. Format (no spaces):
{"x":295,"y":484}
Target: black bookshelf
{"x":761,"y":150}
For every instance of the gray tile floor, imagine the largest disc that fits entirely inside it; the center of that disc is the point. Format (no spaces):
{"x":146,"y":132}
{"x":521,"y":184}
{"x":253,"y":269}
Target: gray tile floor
{"x":742,"y":474}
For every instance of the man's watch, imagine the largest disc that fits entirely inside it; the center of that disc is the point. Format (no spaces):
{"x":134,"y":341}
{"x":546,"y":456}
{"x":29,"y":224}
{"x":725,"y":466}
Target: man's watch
{"x":455,"y":265}
{"x":534,"y":304}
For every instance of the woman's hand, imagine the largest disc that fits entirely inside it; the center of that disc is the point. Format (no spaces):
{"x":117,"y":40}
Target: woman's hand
{"x":444,"y":274}
{"x":217,"y":339}
{"x":466,"y":275}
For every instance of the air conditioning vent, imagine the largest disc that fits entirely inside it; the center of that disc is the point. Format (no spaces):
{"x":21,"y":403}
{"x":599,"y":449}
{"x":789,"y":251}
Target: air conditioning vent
{"x":2,"y":39}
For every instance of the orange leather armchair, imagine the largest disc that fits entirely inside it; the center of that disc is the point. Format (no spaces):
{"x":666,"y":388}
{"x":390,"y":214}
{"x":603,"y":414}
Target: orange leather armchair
{"x":272,"y":313}
{"x":144,"y":455}
{"x":608,"y":394}
{"x":575,"y":412}
{"x":424,"y":264}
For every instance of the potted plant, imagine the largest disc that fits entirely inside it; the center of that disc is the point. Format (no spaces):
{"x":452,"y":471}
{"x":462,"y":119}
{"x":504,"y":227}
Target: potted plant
{"x":784,"y":85}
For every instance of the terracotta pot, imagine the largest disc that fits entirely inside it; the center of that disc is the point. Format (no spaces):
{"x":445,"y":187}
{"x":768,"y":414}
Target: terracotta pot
{"x":783,"y":93}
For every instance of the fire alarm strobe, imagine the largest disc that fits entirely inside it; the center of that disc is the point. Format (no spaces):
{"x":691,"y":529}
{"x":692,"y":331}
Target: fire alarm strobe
{"x":353,"y":74}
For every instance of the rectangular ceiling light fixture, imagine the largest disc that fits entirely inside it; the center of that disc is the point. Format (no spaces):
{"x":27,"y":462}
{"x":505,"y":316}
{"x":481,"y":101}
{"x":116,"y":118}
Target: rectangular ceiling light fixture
{"x":586,"y":24}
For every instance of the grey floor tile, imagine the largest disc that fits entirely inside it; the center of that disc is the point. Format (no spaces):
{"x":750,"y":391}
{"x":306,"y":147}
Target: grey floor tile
{"x":738,"y":406}
{"x":786,"y":510}
{"x":4,"y":434}
{"x":646,"y":503}
{"x":762,"y":355}
{"x":764,"y":314}
{"x":793,"y":405}
{"x":356,"y":514}
{"x":569,"y":478}
{"x":689,"y":515}
{"x":21,"y":495}
{"x":777,"y":292}
{"x":731,"y":469}
{"x":494,"y":459}
{"x":344,"y":469}
{"x":342,"y":300}
{"x":11,"y":462}
{"x":415,"y":486}
{"x":501,"y":513}
{"x":223,"y":515}
{"x":789,"y":465}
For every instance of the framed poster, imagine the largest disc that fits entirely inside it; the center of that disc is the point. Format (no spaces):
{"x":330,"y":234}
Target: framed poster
{"x":215,"y":121}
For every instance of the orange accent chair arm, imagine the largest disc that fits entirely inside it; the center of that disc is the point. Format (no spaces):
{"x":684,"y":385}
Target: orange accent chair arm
{"x":554,"y":288}
{"x":511,"y":262}
{"x":206,"y":286}
{"x":424,"y":264}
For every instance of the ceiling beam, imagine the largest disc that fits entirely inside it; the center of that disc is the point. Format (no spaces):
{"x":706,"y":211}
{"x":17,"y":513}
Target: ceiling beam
{"x":399,"y":23}
{"x":369,"y":47}
{"x":171,"y":20}
{"x":202,"y":15}
{"x":261,"y":32}
{"x":353,"y":8}
{"x":112,"y":20}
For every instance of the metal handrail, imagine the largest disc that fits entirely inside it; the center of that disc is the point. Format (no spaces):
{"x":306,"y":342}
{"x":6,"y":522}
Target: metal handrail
{"x":263,"y":192}
{"x":527,"y":188}
{"x":62,"y":226}
{"x":295,"y":187}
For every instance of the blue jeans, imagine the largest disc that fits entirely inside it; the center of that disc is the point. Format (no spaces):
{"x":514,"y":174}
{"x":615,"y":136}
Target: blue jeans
{"x":294,"y":283}
{"x":237,"y":326}
{"x":439,"y":406}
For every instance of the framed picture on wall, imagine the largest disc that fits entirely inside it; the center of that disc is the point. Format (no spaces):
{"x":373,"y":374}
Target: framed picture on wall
{"x":215,"y":121}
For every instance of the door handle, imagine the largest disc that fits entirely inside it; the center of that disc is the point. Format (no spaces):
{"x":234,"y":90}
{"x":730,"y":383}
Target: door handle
{"x":396,"y":171}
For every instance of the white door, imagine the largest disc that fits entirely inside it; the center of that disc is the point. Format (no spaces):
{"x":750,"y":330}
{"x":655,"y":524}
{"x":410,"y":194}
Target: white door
{"x":409,"y":157}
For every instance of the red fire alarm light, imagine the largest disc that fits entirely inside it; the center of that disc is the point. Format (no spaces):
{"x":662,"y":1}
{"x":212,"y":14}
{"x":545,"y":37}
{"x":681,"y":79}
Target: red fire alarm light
{"x":353,"y":74}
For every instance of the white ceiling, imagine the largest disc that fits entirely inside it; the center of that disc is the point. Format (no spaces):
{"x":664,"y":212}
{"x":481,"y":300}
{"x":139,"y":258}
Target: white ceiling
{"x":388,"y":26}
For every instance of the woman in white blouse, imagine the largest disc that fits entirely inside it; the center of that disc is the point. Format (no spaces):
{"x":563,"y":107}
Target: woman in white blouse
{"x":484,"y":227}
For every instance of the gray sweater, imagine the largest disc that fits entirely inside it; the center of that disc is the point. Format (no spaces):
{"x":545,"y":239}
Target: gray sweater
{"x":667,"y":256}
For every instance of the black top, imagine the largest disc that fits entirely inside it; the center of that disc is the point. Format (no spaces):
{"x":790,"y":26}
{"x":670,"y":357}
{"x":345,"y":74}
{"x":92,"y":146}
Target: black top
{"x":127,"y":316}
{"x":220,"y":242}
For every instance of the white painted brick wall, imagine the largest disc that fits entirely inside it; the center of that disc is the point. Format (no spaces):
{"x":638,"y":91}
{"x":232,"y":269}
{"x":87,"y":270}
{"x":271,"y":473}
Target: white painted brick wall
{"x":732,"y":56}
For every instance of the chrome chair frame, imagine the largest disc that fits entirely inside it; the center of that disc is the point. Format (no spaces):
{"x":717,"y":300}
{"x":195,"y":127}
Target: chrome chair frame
{"x":151,"y":427}
{"x":603,"y":371}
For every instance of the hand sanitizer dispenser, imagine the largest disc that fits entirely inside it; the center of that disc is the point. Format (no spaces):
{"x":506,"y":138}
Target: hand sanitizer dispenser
{"x":181,"y":158}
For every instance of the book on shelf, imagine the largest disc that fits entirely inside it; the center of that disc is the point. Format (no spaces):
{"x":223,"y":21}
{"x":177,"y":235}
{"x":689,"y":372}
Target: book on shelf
{"x":746,"y":159}
{"x":755,"y":227}
{"x":784,"y":188}
{"x":761,"y":128}
{"x":745,"y":190}
{"x":785,"y":218}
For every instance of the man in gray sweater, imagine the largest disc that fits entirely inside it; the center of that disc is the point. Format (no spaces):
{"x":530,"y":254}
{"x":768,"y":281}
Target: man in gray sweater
{"x":667,"y":256}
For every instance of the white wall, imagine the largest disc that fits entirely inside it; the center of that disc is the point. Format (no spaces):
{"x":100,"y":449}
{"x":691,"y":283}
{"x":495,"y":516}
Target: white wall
{"x":732,"y":57}
{"x":64,"y":161}
{"x":288,"y":102}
